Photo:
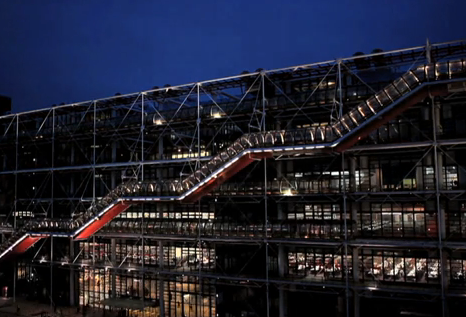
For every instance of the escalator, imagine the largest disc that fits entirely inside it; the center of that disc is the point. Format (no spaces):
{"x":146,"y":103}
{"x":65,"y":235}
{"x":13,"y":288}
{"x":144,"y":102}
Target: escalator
{"x":411,"y":88}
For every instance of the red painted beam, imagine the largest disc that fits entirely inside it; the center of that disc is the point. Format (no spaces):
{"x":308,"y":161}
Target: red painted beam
{"x":102,"y":221}
{"x":234,"y":168}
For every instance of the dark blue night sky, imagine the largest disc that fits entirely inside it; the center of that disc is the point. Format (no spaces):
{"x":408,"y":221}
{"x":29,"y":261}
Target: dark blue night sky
{"x":54,"y":51}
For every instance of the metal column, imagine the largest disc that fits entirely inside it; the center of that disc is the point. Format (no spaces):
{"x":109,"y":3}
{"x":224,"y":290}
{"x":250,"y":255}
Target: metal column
{"x":354,"y":231}
{"x":72,"y":276}
{"x":199,"y":216}
{"x":344,"y":189}
{"x":51,"y":274}
{"x":93,"y":176}
{"x":161,"y":280}
{"x":440,"y":213}
{"x":114,"y":264}
{"x":51,"y":210}
{"x":266,"y":216}
{"x":16,"y":171}
{"x":142,"y":207}
{"x":16,"y":203}
{"x":282,"y":256}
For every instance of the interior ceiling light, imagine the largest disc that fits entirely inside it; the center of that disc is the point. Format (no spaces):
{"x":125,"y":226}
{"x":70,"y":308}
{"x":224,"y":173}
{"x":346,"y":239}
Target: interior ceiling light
{"x":158,"y":120}
{"x":216,"y":113}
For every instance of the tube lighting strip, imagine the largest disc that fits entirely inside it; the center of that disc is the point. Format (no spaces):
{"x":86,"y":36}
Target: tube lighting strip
{"x":49,"y":234}
{"x":88,"y":223}
{"x":10,"y":248}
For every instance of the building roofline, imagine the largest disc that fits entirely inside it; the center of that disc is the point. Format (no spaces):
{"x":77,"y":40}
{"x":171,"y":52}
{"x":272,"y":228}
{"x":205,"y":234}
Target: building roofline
{"x":252,"y":74}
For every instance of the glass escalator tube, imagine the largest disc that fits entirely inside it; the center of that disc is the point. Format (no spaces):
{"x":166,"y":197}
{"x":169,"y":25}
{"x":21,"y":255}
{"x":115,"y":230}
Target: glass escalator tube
{"x":392,"y":92}
{"x":309,"y":135}
{"x":216,"y":162}
{"x":192,"y":180}
{"x":185,"y":184}
{"x":144,"y":188}
{"x":364,"y":110}
{"x":224,"y":156}
{"x":269,"y":139}
{"x":137,"y":189}
{"x":318,"y":136}
{"x":232,"y":152}
{"x":205,"y":171}
{"x":244,"y":141}
{"x":257,"y":140}
{"x":429,"y":72}
{"x":420,"y":73}
{"x":329,"y":133}
{"x":389,"y":94}
{"x":283,"y":137}
{"x":356,"y":116}
{"x":411,"y":80}
{"x":442,"y":71}
{"x":299,"y":137}
{"x":383,"y":98}
{"x":347,"y":122}
{"x":373,"y":104}
{"x":165,"y":187}
{"x":456,"y":68}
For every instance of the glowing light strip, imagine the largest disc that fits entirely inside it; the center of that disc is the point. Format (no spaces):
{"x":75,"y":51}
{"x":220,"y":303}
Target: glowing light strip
{"x":84,"y":226}
{"x":414,"y":75}
{"x":213,"y":175}
{"x":10,"y":248}
{"x":149,"y":198}
{"x":113,"y":204}
{"x":49,"y":234}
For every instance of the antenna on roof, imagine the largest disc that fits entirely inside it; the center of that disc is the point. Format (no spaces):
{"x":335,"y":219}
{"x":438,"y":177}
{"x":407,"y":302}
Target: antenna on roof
{"x":428,"y":51}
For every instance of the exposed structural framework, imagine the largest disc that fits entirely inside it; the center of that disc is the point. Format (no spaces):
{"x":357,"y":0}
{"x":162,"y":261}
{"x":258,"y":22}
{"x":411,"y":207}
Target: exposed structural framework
{"x":362,"y":202}
{"x":404,"y":92}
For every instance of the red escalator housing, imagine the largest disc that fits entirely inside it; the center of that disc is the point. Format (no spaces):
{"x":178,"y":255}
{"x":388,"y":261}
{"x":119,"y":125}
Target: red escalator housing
{"x":234,"y":168}
{"x":22,"y":247}
{"x":103,"y":220}
{"x":25,"y":244}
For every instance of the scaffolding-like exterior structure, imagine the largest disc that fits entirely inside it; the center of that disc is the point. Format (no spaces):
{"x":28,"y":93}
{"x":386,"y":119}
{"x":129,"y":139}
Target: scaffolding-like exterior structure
{"x":338,"y":185}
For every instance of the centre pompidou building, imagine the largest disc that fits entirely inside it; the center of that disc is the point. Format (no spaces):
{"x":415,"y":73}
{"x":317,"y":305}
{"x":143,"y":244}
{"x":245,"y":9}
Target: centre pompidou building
{"x":335,"y":188}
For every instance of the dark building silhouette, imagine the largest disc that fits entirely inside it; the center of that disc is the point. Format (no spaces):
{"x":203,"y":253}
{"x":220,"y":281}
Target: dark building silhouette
{"x":5,"y":105}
